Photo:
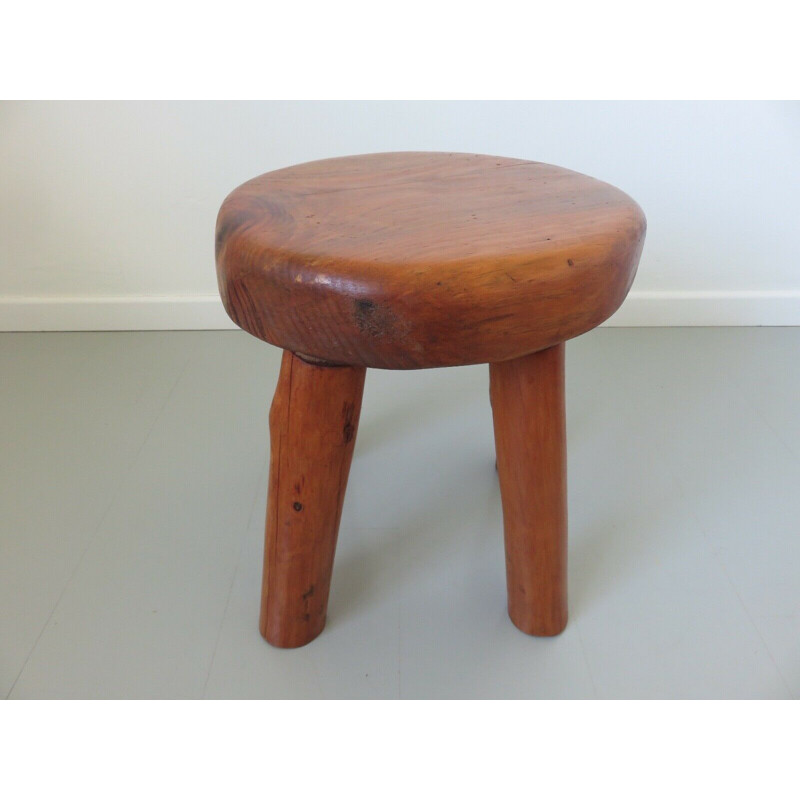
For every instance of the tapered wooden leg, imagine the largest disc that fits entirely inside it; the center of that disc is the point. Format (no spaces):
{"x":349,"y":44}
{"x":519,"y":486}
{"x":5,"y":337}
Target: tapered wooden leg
{"x":530,"y":438}
{"x":312,"y":423}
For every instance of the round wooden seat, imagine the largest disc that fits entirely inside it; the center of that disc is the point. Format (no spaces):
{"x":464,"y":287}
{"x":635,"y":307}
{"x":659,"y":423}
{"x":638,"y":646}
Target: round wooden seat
{"x":410,"y":260}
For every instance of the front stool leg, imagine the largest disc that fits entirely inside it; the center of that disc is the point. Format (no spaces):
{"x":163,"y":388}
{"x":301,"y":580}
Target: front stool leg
{"x":530,"y":438}
{"x":312,"y":423}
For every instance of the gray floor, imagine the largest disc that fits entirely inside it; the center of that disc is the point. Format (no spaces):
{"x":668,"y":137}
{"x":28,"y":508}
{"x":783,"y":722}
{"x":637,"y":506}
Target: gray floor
{"x":132,"y":502}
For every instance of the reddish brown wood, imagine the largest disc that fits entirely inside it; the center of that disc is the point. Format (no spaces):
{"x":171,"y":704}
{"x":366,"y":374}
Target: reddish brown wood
{"x":411,"y":260}
{"x":406,"y":260}
{"x":530,"y":437}
{"x":313,"y":423}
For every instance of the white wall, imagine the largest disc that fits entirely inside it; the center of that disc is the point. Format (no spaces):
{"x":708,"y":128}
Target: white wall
{"x":107,"y":210}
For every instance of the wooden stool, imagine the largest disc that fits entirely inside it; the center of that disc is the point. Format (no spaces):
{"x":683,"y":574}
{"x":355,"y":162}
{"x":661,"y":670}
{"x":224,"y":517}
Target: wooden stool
{"x":408,"y":261}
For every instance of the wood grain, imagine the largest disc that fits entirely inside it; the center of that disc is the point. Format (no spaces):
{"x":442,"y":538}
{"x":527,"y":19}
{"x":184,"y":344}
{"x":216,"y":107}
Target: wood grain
{"x":313,"y":423}
{"x":530,"y":437}
{"x":414,"y":260}
{"x":409,"y":260}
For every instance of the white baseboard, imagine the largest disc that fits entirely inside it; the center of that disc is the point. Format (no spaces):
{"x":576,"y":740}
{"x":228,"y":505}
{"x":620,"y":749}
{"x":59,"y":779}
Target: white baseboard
{"x":708,"y":309}
{"x":205,"y":312}
{"x":122,"y":313}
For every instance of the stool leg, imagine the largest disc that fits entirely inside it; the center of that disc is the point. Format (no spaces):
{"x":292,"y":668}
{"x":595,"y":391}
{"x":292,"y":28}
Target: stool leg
{"x":312,"y":423}
{"x":530,"y":439}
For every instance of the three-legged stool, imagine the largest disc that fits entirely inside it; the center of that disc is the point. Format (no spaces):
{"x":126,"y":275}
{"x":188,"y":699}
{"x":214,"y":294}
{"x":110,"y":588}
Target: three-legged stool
{"x":408,"y":261}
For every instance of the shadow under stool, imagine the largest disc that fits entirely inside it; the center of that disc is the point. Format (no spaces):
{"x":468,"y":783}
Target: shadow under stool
{"x":410,"y":261}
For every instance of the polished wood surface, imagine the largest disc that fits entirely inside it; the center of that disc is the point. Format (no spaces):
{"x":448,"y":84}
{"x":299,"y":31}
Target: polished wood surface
{"x":313,"y":423}
{"x":409,"y":260}
{"x":530,"y":437}
{"x":414,"y":260}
